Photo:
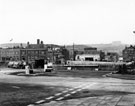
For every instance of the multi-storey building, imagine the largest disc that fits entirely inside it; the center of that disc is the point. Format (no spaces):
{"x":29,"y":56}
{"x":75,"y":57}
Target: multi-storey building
{"x":129,"y":54}
{"x":112,"y":57}
{"x":35,"y":56}
{"x":39,"y":53}
{"x":8,"y":54}
{"x":36,"y":53}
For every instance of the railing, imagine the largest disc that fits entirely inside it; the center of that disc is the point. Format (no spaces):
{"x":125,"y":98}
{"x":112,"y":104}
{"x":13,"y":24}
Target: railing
{"x":92,"y":63}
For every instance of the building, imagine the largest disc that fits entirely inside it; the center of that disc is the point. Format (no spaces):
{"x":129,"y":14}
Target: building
{"x":111,"y":57}
{"x":9,"y":54}
{"x":39,"y":53}
{"x":57,"y":54}
{"x":129,"y":54}
{"x":91,"y":50}
{"x":36,"y":53}
{"x":90,"y":54}
{"x":39,"y":44}
{"x":35,"y":56}
{"x":88,"y":57}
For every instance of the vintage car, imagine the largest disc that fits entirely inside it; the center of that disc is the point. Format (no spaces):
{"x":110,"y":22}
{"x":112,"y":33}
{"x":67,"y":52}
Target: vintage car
{"x":10,"y":64}
{"x":17,"y":64}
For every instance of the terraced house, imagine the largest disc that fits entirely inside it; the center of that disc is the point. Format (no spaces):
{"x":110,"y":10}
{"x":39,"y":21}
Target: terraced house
{"x":8,"y":54}
{"x":129,"y":54}
{"x":36,"y":53}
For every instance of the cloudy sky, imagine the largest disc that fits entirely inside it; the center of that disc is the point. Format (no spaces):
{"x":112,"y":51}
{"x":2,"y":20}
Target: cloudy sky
{"x":67,"y":21}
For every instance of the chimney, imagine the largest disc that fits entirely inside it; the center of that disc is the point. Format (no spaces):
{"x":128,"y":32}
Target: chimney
{"x":38,"y":41}
{"x":21,"y":45}
{"x":42,"y":42}
{"x":28,"y":43}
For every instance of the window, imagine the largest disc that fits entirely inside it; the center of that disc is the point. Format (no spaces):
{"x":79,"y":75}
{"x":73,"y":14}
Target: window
{"x":89,"y":59}
{"x":32,"y":52}
{"x":29,"y":52}
{"x":36,"y":52}
{"x":23,"y":52}
{"x":42,"y":52}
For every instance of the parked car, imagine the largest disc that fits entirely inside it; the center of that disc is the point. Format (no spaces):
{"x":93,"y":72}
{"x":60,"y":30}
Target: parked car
{"x":10,"y":64}
{"x":17,"y":64}
{"x":49,"y":67}
{"x":22,"y":64}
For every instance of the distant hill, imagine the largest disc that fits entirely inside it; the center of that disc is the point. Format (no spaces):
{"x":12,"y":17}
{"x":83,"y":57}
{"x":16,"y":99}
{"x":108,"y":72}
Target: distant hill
{"x":10,"y":45}
{"x":111,"y":47}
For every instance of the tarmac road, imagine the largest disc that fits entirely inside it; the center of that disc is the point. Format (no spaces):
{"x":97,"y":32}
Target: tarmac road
{"x":106,"y":84}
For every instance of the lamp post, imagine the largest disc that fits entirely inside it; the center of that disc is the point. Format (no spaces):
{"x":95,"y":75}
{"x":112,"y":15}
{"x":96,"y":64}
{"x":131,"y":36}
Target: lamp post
{"x":73,"y":52}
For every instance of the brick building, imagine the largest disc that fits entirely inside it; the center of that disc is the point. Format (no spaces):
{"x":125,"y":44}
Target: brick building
{"x":35,"y":56}
{"x":8,"y":54}
{"x":36,"y":53}
{"x":129,"y":54}
{"x":112,"y":57}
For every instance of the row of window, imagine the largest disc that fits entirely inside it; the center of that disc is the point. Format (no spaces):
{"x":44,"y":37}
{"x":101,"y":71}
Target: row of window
{"x":15,"y":58}
{"x":23,"y":52}
{"x":10,"y":53}
{"x":33,"y":52}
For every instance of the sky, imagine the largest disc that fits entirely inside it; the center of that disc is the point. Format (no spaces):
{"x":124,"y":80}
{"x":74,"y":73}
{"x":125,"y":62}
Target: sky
{"x":67,"y":21}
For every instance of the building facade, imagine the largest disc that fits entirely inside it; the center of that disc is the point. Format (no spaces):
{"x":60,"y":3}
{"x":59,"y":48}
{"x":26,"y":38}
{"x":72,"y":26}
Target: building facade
{"x":88,"y":57}
{"x":129,"y":54}
{"x":112,"y":57}
{"x":36,"y":53}
{"x":90,"y":54}
{"x":9,"y":54}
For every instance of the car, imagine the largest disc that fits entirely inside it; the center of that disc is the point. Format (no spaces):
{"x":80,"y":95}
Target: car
{"x":10,"y":64}
{"x":16,"y":65}
{"x":49,"y":67}
{"x":22,"y":64}
{"x":19,"y":64}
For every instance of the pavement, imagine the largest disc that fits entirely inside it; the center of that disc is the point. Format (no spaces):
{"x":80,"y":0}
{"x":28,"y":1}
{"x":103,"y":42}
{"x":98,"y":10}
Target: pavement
{"x":76,"y":85}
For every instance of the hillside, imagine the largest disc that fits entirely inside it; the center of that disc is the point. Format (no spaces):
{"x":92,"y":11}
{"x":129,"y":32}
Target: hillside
{"x":10,"y":45}
{"x":112,"y":47}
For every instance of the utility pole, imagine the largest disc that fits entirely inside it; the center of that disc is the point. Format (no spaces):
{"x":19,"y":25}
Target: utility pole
{"x":73,"y":53}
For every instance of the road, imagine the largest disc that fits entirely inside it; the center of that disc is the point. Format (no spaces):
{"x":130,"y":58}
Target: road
{"x":99,"y":84}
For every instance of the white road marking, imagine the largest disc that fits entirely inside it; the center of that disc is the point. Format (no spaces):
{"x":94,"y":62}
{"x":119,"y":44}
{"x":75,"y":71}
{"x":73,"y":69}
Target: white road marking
{"x":80,"y":86}
{"x":65,"y":91}
{"x":67,"y":95}
{"x":41,"y":101}
{"x":78,"y":90}
{"x":71,"y":89}
{"x":58,"y":94}
{"x":60,"y":98}
{"x":73,"y":92}
{"x":50,"y":97}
